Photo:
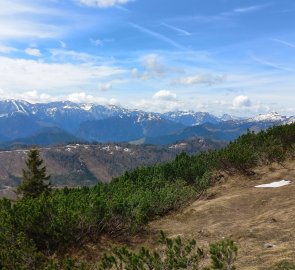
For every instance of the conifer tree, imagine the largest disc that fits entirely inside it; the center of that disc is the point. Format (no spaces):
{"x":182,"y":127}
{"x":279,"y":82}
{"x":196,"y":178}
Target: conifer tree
{"x":35,"y":180}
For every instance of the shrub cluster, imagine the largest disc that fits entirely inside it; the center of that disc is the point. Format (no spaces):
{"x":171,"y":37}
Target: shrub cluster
{"x":34,"y":228}
{"x":175,"y":254}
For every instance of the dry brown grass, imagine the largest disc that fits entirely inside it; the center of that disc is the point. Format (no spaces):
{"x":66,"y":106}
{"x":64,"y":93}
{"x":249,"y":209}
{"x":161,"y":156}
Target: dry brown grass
{"x":233,"y":208}
{"x":251,"y":216}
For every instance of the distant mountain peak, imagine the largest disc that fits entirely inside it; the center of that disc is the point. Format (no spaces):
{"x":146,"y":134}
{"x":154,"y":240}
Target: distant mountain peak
{"x":228,"y":117}
{"x":271,"y":117}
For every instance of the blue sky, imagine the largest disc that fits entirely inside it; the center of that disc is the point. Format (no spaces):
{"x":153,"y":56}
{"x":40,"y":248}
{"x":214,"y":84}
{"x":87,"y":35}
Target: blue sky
{"x":221,"y":56}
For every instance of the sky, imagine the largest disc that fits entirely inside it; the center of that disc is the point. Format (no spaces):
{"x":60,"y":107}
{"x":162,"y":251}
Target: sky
{"x":220,"y":56}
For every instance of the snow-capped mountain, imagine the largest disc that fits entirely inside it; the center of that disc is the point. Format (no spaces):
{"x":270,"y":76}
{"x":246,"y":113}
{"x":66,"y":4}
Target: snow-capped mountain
{"x":270,"y":117}
{"x":289,"y":121}
{"x":191,"y":118}
{"x":11,"y":107}
{"x":228,"y":117}
{"x":21,"y":121}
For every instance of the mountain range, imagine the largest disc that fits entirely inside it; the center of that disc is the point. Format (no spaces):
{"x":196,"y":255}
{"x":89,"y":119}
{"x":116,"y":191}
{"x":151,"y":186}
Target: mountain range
{"x":23,"y":123}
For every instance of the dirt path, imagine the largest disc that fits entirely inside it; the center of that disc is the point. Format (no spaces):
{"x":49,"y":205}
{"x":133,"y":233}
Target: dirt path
{"x":251,"y":216}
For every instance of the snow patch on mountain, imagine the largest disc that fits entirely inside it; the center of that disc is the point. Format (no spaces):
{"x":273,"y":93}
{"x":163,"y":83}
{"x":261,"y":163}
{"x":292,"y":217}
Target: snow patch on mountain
{"x":270,"y":117}
{"x":62,"y":112}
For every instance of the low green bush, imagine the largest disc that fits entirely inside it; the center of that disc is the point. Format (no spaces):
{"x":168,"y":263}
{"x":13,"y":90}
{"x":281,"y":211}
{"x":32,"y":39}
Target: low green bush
{"x":35,"y":227}
{"x":175,"y":254}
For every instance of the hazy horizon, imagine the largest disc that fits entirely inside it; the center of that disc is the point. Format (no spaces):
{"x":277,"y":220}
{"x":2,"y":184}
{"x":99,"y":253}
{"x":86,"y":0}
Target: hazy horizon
{"x":237,"y":115}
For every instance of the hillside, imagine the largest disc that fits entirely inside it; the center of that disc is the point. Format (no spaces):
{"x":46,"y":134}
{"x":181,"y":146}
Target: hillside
{"x":234,"y":208}
{"x":209,"y":195}
{"x":87,"y":164}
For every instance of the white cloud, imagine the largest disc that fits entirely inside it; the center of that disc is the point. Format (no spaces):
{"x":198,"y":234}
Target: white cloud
{"x":7,"y":49}
{"x":201,"y":79}
{"x":269,"y":63}
{"x":14,"y":7}
{"x":250,"y":9}
{"x":114,"y":101}
{"x":34,"y":97}
{"x":30,"y":96}
{"x":25,"y":75}
{"x":241,"y":101}
{"x":164,"y":95}
{"x":96,"y":42}
{"x":180,"y":31}
{"x":105,"y":86}
{"x":82,"y":97}
{"x":77,"y":97}
{"x":151,"y":105}
{"x":161,"y":101}
{"x":63,"y":55}
{"x":26,"y":29}
{"x":23,"y":19}
{"x":33,"y":52}
{"x":289,"y":44}
{"x":158,"y":36}
{"x":62,"y":44}
{"x":152,"y":63}
{"x":103,"y":3}
{"x":153,"y":67}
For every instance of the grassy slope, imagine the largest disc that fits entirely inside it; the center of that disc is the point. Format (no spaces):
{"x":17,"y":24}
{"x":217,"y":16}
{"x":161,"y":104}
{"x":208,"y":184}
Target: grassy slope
{"x":235,"y":209}
{"x":251,"y":216}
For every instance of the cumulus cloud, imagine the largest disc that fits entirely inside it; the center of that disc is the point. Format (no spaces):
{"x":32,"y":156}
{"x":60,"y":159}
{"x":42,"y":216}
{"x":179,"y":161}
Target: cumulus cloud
{"x":77,"y":97}
{"x":82,"y":97}
{"x":103,"y":3}
{"x":34,"y":96}
{"x":114,"y":101}
{"x":152,"y":63}
{"x":161,"y":101}
{"x":105,"y":86}
{"x":30,"y":96}
{"x":164,"y":95}
{"x":153,"y":66}
{"x":152,"y":105}
{"x":241,"y":101}
{"x":33,"y":52}
{"x":201,"y":79}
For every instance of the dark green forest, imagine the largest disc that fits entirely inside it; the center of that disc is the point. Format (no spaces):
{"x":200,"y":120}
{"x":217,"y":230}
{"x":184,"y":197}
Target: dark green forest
{"x":34,"y":229}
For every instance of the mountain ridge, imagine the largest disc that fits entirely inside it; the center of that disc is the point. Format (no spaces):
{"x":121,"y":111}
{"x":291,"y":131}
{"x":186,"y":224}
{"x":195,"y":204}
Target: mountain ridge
{"x":24,"y":122}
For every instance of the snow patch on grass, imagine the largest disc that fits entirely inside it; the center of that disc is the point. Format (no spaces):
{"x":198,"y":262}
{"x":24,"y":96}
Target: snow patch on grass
{"x":275,"y":184}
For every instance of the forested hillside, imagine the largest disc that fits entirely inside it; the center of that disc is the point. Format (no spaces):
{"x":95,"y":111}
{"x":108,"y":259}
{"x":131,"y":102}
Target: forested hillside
{"x":87,"y":164}
{"x":36,"y":233}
